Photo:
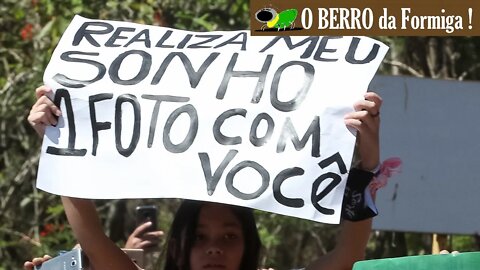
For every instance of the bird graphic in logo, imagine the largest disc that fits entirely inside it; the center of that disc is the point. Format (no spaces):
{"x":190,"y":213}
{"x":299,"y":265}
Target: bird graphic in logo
{"x":284,"y":20}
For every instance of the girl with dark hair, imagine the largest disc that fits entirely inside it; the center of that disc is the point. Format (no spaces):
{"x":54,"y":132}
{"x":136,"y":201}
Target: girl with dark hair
{"x":196,"y":223}
{"x":208,"y":235}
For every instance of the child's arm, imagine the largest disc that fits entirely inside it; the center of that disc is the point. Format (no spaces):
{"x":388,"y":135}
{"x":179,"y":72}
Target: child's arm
{"x":353,"y":237}
{"x":100,"y":250}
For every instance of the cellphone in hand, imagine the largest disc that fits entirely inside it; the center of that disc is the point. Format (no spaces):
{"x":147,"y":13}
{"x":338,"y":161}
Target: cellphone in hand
{"x":146,"y":213}
{"x":71,"y":260}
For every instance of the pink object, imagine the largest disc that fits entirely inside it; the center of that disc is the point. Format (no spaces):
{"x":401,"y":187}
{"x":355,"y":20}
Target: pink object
{"x":387,"y":169}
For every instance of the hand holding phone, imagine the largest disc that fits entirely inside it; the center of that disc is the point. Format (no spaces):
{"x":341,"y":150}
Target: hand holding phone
{"x":146,"y":213}
{"x":144,"y":236}
{"x":71,"y":260}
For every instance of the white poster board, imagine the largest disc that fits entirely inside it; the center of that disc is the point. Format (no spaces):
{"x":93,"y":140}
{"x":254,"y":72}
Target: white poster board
{"x":152,"y":112}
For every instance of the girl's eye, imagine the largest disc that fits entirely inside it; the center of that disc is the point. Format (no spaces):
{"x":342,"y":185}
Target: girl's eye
{"x":200,"y":237}
{"x":231,"y":236}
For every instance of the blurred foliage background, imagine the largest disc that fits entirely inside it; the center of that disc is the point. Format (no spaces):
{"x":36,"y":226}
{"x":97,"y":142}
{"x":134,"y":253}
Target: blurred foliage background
{"x":32,"y":222}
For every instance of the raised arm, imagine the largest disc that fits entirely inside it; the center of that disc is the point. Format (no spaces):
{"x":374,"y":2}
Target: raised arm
{"x":350,"y":247}
{"x":81,"y":214}
{"x":100,"y":250}
{"x":366,"y":120}
{"x":353,"y":236}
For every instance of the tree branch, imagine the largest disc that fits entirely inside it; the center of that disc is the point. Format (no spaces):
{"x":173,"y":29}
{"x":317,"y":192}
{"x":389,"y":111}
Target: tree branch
{"x":470,"y":70}
{"x":404,"y":67}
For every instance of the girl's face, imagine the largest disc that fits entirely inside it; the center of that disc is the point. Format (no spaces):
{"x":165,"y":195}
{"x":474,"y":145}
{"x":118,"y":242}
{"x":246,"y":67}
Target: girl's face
{"x":219,"y":240}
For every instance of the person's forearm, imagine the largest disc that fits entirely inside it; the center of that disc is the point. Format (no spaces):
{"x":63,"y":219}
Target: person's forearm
{"x":353,"y":239}
{"x":355,"y":235}
{"x":350,"y":247}
{"x":101,"y":251}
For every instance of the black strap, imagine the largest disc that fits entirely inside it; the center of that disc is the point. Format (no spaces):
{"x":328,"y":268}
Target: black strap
{"x":355,"y":205}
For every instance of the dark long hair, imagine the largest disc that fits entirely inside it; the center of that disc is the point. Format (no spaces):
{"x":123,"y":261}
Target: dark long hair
{"x":183,"y":230}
